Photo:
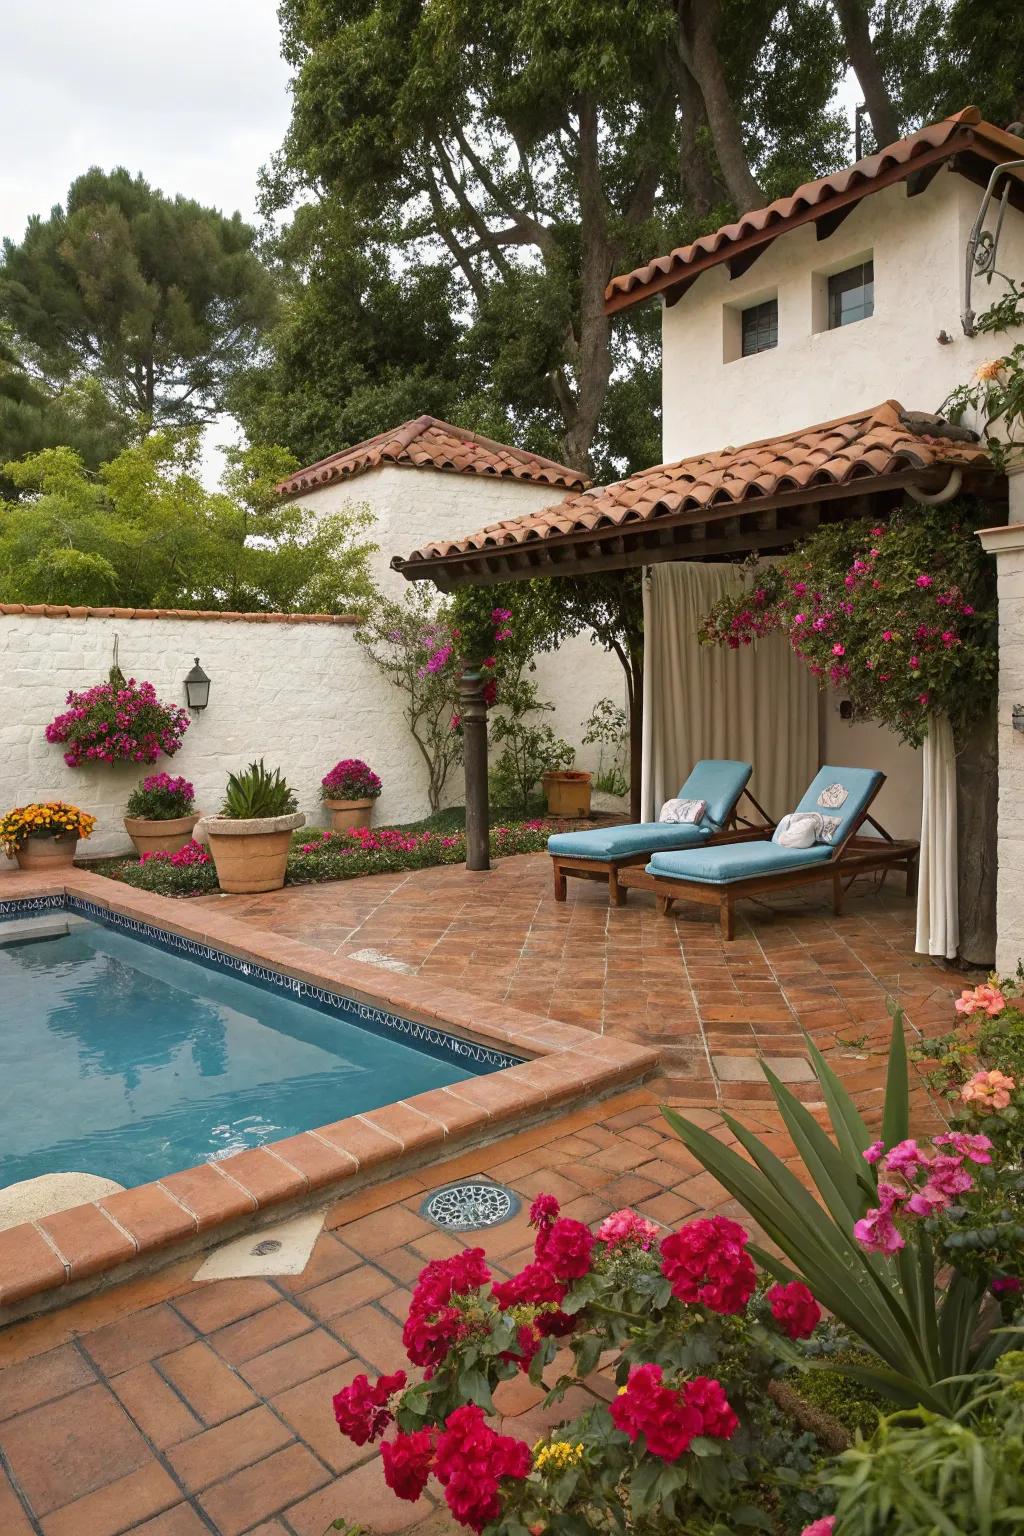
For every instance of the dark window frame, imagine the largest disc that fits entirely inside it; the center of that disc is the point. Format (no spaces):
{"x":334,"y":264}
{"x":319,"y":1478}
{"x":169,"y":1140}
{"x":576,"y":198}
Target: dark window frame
{"x":759,"y":324}
{"x":858,"y":279}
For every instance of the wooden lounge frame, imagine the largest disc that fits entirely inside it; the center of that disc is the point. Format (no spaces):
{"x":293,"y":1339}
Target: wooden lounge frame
{"x":737,"y":829}
{"x":854,"y":856}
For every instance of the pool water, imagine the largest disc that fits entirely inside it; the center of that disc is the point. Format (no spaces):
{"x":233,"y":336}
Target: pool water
{"x":119,"y":1059}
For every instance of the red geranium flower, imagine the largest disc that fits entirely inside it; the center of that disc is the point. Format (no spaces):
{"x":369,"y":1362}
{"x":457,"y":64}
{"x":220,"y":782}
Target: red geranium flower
{"x":361,"y":1409}
{"x":707,"y":1262}
{"x":407,"y":1461}
{"x":794,"y":1309}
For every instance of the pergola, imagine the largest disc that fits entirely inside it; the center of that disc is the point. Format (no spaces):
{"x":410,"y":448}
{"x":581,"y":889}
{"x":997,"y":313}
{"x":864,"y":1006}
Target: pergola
{"x":765,"y":496}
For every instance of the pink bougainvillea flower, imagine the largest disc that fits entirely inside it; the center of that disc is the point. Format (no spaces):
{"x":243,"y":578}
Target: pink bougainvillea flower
{"x":923,"y":581}
{"x":982,"y":999}
{"x":824,"y":1527}
{"x":838,"y":650}
{"x":1005,"y":1285}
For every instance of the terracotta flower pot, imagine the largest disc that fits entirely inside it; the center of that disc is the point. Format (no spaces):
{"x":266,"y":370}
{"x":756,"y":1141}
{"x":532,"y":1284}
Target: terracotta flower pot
{"x":568,"y":793}
{"x":47,"y":853}
{"x":160,"y":836}
{"x":346,"y":814}
{"x":251,"y":855}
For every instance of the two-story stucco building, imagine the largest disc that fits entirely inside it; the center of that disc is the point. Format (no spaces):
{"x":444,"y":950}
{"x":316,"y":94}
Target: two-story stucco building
{"x":806,"y":351}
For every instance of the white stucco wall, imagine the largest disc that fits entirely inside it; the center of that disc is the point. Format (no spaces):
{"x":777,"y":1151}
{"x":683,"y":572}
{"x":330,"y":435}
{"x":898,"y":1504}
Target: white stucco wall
{"x":299,"y":695}
{"x":1007,"y":544}
{"x":411,"y":506}
{"x":864,"y":744}
{"x":917,"y":245}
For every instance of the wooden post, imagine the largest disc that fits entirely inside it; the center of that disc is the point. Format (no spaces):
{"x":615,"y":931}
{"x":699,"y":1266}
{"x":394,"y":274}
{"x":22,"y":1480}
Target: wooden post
{"x":473,"y":712}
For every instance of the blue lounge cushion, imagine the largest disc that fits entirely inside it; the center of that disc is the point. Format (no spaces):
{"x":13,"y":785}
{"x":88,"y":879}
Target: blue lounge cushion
{"x":618,"y":842}
{"x":719,"y":781}
{"x":725,"y":862}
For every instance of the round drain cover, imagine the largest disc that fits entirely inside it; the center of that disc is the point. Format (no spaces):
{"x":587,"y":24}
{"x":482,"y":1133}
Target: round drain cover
{"x":469,"y":1207}
{"x":268,"y":1245}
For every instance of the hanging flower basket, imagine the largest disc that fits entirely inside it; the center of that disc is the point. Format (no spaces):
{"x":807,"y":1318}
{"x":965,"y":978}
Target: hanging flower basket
{"x":119,"y":721}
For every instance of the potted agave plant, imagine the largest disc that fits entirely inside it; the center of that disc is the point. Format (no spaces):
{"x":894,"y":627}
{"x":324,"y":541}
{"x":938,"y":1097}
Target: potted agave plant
{"x":348,"y":793}
{"x":44,"y":836}
{"x":251,"y":837}
{"x":160,"y":818}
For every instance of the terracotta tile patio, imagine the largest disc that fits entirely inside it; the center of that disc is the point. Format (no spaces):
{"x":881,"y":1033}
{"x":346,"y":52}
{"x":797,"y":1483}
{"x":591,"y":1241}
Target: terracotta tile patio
{"x":169,"y":1408}
{"x":708,"y":1007}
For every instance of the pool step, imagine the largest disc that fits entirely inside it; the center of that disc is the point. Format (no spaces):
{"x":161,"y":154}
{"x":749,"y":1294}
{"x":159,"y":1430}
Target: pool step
{"x":26,"y":930}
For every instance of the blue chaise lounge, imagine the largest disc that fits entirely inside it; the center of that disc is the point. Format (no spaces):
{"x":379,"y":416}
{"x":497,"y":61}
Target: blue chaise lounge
{"x":720,"y":876}
{"x":599,"y":854}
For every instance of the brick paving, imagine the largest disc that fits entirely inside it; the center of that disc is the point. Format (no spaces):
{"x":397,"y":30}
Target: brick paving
{"x":708,"y":1007}
{"x":164,"y":1407}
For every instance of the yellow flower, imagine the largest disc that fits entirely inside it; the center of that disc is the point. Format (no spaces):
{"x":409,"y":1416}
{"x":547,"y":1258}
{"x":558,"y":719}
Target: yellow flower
{"x":556,"y":1456}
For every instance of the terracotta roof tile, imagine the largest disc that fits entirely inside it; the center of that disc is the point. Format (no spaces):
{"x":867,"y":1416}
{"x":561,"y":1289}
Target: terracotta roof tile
{"x":964,"y":131}
{"x":428,"y":443}
{"x":884,"y":440}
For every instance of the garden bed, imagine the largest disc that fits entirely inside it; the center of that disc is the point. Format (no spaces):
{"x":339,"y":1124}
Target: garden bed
{"x":318,"y":856}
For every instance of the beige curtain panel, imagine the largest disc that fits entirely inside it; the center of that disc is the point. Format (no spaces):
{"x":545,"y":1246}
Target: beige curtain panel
{"x":938,"y":909}
{"x":757,"y":704}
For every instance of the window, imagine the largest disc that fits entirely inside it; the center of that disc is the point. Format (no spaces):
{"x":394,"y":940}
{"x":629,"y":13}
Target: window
{"x":760,"y":327}
{"x":851,"y":295}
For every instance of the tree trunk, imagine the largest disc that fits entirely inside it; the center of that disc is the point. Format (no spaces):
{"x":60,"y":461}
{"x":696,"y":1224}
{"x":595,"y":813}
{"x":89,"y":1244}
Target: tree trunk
{"x":853,"y":20}
{"x":695,"y":173}
{"x":593,"y":361}
{"x":700,"y":54}
{"x":977,"y":793}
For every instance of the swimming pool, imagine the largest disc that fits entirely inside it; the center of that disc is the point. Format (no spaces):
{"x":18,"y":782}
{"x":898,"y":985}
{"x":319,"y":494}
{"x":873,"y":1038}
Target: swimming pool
{"x":128,"y":1052}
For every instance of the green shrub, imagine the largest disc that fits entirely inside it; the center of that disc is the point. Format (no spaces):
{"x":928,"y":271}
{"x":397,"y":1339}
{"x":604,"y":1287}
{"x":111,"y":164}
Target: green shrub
{"x":922,"y":1474}
{"x":257,"y":794}
{"x":163,"y":877}
{"x":528,"y":749}
{"x":852,"y":1405}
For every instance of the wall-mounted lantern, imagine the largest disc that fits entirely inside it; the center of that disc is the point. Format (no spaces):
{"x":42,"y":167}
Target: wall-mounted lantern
{"x":197,"y":688}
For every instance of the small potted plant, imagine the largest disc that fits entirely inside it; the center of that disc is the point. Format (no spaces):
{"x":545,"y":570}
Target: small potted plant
{"x":348,"y":793}
{"x":159,"y":815}
{"x":251,"y":837}
{"x":44,"y":836}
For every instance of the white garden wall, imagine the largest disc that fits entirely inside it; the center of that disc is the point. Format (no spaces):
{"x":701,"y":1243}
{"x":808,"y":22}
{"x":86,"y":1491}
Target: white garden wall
{"x":300,"y":693}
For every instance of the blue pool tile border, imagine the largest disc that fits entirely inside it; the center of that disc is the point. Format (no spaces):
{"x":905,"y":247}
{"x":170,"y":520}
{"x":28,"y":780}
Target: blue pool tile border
{"x":440,"y":1043}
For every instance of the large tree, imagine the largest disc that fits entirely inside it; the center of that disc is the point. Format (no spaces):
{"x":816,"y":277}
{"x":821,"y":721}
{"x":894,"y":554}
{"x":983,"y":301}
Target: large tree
{"x":144,"y":532}
{"x":159,"y":300}
{"x":532,"y":151}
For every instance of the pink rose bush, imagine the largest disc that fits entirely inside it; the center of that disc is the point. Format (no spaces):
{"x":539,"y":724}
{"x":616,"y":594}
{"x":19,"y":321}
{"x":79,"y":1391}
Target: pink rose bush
{"x":120,"y":721}
{"x":675,"y":1315}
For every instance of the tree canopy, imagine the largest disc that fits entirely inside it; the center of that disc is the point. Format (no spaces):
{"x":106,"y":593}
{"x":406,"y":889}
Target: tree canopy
{"x":144,"y":533}
{"x":158,"y":300}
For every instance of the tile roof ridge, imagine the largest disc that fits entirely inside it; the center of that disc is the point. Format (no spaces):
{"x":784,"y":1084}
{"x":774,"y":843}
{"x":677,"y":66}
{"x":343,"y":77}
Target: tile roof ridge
{"x":932,"y":138}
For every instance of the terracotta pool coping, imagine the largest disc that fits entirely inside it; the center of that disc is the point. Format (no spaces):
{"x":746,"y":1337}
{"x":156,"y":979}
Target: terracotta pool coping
{"x":43,"y":1263}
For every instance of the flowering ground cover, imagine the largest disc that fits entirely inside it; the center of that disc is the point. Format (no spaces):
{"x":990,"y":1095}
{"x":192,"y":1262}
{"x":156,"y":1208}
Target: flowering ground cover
{"x":318,"y":856}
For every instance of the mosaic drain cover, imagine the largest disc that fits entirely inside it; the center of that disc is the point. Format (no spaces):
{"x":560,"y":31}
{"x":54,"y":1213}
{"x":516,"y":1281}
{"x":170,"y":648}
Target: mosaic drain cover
{"x":468,"y":1207}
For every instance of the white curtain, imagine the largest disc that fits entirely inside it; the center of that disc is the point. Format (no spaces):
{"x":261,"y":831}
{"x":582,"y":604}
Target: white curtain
{"x":758,"y":704}
{"x":938,"y":916}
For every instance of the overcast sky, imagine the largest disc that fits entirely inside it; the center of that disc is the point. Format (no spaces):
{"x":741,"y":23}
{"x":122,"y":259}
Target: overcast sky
{"x":192,"y":93}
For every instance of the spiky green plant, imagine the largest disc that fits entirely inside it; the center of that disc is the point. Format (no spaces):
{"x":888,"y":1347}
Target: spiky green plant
{"x":922,"y":1333}
{"x":257,"y":794}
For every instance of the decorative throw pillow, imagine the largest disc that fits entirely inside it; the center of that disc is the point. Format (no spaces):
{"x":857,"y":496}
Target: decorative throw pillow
{"x":683,"y":810}
{"x":800,"y":829}
{"x":832,"y":797}
{"x":829,"y":827}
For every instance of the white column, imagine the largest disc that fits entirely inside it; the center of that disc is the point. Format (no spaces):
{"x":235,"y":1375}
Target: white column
{"x":1007,"y":544}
